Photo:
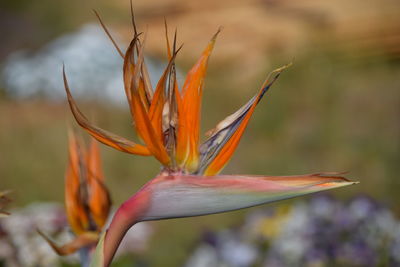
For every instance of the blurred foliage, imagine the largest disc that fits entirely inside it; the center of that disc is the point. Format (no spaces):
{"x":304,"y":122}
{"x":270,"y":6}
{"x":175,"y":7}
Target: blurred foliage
{"x":319,"y":232}
{"x":31,"y":24}
{"x":333,"y":110}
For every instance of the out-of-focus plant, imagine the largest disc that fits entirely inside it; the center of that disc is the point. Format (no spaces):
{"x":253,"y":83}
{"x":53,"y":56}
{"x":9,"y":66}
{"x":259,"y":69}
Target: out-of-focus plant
{"x":87,"y":200}
{"x":167,"y":119}
{"x":20,"y":245}
{"x":4,"y":200}
{"x":320,"y":232}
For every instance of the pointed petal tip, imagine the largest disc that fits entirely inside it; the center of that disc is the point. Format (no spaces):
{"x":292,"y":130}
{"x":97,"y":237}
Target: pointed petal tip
{"x":337,"y":176}
{"x":284,"y":67}
{"x":275,"y":72}
{"x":225,"y":137}
{"x":328,"y":179}
{"x":336,"y":182}
{"x":108,"y":33}
{"x":342,"y":183}
{"x":214,"y":38}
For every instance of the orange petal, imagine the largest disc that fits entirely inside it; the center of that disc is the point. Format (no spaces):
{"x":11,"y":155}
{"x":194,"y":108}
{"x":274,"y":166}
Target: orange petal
{"x":101,"y":135}
{"x":219,"y":148}
{"x":84,"y":240}
{"x":170,"y":112}
{"x":158,"y":101}
{"x":167,"y":39}
{"x":99,"y":200}
{"x":156,"y":108}
{"x":94,"y":161}
{"x":142,"y":121}
{"x":147,"y":90}
{"x":75,"y":208}
{"x":129,"y":70}
{"x":187,"y":153}
{"x":145,"y":79}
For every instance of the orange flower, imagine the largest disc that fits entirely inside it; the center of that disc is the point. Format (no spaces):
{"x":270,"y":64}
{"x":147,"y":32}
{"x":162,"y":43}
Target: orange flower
{"x":167,"y":119}
{"x":87,"y":200}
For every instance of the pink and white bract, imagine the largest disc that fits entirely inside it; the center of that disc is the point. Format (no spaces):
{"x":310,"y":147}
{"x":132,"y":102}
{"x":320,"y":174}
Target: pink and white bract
{"x":167,"y":119}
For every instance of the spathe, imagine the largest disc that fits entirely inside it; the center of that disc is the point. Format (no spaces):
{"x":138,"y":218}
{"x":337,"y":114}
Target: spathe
{"x":174,"y":196}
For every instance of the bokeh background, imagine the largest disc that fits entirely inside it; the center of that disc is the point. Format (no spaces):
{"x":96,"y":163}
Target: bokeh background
{"x":336,"y":109}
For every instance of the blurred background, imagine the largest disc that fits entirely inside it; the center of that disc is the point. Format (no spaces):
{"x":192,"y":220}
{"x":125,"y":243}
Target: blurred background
{"x":336,"y":109}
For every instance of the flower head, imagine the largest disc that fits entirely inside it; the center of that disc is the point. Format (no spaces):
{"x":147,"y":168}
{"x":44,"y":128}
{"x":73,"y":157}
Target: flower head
{"x":87,"y":201}
{"x":167,"y":120}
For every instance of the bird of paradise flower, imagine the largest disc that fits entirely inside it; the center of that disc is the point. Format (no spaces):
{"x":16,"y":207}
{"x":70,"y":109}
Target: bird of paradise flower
{"x":167,"y":119}
{"x":87,"y":201}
